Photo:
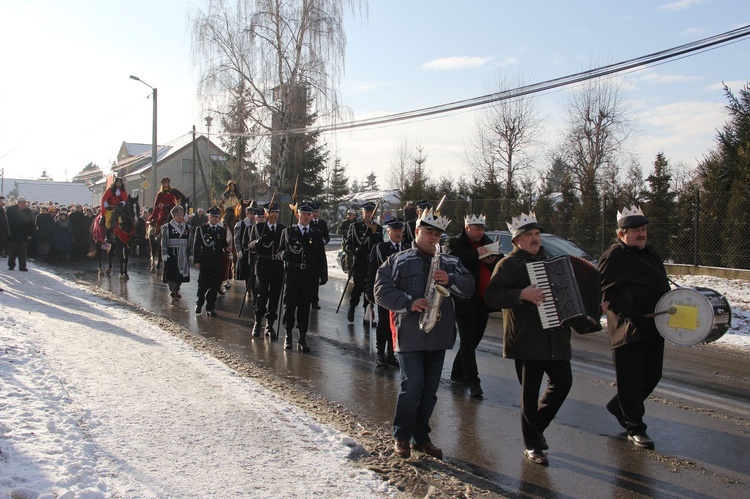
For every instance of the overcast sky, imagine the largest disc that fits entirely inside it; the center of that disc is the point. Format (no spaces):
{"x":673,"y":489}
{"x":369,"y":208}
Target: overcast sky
{"x":66,"y":99}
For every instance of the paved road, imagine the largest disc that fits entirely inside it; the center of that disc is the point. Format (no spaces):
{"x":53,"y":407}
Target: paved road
{"x":698,"y":418}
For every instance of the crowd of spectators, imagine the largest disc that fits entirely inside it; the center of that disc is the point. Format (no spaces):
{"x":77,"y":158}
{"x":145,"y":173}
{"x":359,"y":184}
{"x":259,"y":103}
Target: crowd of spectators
{"x":61,"y":232}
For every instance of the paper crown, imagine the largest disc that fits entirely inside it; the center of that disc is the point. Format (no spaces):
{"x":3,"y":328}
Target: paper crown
{"x":474,"y":220}
{"x":631,"y":217}
{"x":428,"y":218}
{"x":517,"y":224}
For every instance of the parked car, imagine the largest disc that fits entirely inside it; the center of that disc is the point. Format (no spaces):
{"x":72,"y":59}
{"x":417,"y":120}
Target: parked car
{"x":553,"y":245}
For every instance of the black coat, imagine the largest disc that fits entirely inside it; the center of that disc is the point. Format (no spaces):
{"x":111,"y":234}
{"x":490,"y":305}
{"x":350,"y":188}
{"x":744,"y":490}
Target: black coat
{"x":379,"y":254}
{"x":264,"y":247}
{"x":209,"y":245}
{"x":3,"y":229}
{"x":20,"y":223}
{"x":304,"y":256}
{"x":322,"y":226}
{"x":523,"y":336}
{"x":633,"y":281}
{"x":461,"y":247}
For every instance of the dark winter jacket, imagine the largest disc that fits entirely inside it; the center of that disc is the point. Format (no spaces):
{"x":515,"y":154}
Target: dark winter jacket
{"x":20,"y":223}
{"x":462,"y":248}
{"x":523,"y":336}
{"x":633,"y":281}
{"x":401,"y":280}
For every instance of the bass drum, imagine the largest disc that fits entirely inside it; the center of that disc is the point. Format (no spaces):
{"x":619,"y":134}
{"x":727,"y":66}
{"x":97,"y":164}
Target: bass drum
{"x":714,"y":316}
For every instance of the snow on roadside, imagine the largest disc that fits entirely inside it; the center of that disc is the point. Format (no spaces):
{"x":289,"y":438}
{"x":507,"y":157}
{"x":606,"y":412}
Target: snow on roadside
{"x":94,"y":402}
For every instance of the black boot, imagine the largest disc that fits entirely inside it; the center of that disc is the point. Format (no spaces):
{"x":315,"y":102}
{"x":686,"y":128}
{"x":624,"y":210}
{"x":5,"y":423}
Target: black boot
{"x":271,"y":333}
{"x":288,"y":340}
{"x":257,"y":327}
{"x":301,"y":343}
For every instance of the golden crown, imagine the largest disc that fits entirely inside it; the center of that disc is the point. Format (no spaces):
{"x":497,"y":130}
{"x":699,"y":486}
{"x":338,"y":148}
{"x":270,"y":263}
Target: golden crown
{"x":520,"y":221}
{"x":474,"y":220}
{"x":430,"y":218}
{"x":629,"y":212}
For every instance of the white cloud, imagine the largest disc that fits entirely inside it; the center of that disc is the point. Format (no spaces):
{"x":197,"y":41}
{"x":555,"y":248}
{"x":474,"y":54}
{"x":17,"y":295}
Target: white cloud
{"x":679,"y":5}
{"x":654,"y":77}
{"x":734,"y":86}
{"x":451,"y":63}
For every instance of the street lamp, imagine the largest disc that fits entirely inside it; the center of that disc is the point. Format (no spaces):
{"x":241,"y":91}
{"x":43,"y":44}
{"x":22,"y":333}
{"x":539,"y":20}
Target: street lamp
{"x":208,"y":138}
{"x":153,"y":133}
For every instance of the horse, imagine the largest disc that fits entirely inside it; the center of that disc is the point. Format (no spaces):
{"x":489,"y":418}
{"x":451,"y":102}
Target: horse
{"x":153,"y":235}
{"x":119,"y":240}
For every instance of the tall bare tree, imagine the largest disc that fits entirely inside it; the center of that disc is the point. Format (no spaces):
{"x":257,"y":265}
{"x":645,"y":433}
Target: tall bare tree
{"x":283,"y":53}
{"x":502,"y":146}
{"x":399,"y":166}
{"x":598,"y":125}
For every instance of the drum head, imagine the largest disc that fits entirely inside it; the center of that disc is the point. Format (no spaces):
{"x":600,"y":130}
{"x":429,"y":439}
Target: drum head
{"x":685,"y":337}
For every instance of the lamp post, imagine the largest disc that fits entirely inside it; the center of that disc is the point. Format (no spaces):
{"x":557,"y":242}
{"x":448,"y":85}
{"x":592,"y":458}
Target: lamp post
{"x":153,"y":133}
{"x":208,"y":138}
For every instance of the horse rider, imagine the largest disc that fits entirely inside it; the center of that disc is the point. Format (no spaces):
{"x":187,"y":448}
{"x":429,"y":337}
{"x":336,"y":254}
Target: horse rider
{"x":113,"y":196}
{"x":166,"y":199}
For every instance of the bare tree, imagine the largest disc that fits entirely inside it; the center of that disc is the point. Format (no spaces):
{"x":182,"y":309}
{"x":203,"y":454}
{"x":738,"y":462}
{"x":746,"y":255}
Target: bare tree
{"x":399,"y":166}
{"x":504,"y":137}
{"x":598,"y":124}
{"x":284,"y":54}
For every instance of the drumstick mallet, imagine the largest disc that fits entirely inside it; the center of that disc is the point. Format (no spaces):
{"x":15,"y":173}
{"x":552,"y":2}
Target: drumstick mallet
{"x":670,"y":311}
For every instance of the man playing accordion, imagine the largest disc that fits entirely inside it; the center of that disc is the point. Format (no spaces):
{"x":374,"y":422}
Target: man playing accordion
{"x":536,"y":351}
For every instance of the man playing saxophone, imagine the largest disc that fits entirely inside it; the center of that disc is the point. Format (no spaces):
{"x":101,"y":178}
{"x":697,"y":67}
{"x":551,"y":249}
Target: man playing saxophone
{"x":401,"y":284}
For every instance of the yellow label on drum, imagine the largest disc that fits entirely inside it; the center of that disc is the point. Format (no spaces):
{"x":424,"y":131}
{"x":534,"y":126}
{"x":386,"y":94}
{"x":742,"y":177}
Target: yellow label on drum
{"x":685,"y":317}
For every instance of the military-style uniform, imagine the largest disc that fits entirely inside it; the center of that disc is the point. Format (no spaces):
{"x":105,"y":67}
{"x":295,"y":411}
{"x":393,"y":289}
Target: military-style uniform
{"x":264,"y":244}
{"x":359,"y":242}
{"x":245,"y":260}
{"x":322,"y":226}
{"x":303,"y":252}
{"x":210,"y":243}
{"x":343,"y":231}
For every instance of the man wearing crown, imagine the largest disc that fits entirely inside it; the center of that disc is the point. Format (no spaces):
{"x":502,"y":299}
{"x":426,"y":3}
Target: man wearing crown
{"x":536,"y":351}
{"x":633,"y":281}
{"x":401,"y":285}
{"x":472,"y":314}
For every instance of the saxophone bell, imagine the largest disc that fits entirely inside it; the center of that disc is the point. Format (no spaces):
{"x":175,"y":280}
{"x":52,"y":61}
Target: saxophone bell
{"x":434,"y":294}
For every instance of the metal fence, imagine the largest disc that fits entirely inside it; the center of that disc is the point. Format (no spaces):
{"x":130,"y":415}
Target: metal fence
{"x":691,"y":229}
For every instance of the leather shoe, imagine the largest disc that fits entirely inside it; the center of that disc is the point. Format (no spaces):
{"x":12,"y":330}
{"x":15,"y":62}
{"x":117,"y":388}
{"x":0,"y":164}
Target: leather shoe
{"x":211,"y":313}
{"x":315,"y":306}
{"x":475,"y":389}
{"x":381,"y":362}
{"x":350,"y":314}
{"x":401,"y":448}
{"x":536,"y":456}
{"x":641,"y":440}
{"x":198,"y":309}
{"x":392,"y":361}
{"x":256,"y":330}
{"x":429,"y":449}
{"x":271,"y":333}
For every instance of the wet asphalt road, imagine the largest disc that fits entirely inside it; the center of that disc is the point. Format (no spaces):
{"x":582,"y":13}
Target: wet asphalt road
{"x":700,"y":419}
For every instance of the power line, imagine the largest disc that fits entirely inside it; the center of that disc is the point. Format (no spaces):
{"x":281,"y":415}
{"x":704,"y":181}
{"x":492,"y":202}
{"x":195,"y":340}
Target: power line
{"x":656,"y":58}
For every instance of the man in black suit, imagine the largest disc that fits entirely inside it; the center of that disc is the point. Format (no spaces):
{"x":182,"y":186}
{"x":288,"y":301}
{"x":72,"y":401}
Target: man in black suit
{"x":322,"y":226}
{"x":379,"y":254}
{"x":362,"y":236}
{"x":264,"y":244}
{"x":210,"y":243}
{"x":303,"y":252}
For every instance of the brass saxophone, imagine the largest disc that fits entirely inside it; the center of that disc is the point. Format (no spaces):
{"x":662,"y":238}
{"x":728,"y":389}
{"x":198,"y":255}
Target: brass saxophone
{"x":434,"y":294}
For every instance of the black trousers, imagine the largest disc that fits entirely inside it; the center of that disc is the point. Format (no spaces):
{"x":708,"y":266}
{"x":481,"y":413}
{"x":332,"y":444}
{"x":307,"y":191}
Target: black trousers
{"x":383,"y":335}
{"x":471,"y":331}
{"x":17,"y":249}
{"x":209,"y":281}
{"x":268,"y":291}
{"x":537,"y":413}
{"x":638,"y":368}
{"x":359,"y":276}
{"x":297,"y":301}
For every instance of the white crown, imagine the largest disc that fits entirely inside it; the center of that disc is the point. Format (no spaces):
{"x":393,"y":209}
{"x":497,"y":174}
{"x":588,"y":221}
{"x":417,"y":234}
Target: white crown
{"x":429,"y":218}
{"x":629,"y":212}
{"x":521,"y":220}
{"x":474,"y":220}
